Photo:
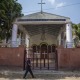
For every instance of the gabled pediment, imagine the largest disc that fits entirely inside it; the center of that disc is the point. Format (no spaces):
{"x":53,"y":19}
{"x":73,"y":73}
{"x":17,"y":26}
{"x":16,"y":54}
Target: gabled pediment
{"x":42,"y":18}
{"x":44,"y":15}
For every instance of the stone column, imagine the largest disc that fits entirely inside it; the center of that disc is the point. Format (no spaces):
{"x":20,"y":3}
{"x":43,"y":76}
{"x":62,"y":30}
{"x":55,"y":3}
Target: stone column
{"x":27,"y":41}
{"x":60,"y":39}
{"x":19,"y":40}
{"x":27,"y":45}
{"x":14,"y":35}
{"x":69,"y":40}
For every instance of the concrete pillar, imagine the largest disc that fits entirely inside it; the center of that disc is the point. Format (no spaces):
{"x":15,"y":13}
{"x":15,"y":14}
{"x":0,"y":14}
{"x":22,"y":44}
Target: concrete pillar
{"x":69,"y":40}
{"x":19,"y":40}
{"x":27,"y":45}
{"x":14,"y":35}
{"x":59,"y":39}
{"x":27,"y":41}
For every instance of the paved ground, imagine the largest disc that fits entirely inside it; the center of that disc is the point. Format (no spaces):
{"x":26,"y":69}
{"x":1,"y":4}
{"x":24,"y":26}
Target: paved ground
{"x":40,"y":75}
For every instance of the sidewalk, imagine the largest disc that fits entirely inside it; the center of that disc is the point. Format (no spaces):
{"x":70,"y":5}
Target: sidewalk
{"x":40,"y":75}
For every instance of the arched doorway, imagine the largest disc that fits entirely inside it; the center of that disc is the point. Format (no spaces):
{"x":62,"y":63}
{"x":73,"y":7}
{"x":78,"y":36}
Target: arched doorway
{"x":44,"y":55}
{"x":44,"y":49}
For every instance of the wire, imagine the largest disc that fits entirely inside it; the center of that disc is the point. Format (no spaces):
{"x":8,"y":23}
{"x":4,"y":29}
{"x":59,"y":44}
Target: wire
{"x":57,"y":7}
{"x":64,"y":6}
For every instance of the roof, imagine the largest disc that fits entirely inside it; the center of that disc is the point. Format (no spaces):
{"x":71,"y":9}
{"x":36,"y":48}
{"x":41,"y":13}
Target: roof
{"x":33,"y":23}
{"x":43,"y":15}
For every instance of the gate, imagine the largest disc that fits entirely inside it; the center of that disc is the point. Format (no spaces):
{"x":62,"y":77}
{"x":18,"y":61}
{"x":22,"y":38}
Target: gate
{"x":42,"y":57}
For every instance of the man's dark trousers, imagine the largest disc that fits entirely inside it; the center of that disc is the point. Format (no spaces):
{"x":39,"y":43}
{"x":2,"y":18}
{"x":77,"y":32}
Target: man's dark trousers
{"x":28,"y":70}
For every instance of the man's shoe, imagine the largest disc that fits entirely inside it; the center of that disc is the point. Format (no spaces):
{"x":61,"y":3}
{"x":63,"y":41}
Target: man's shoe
{"x":24,"y":78}
{"x":33,"y":77}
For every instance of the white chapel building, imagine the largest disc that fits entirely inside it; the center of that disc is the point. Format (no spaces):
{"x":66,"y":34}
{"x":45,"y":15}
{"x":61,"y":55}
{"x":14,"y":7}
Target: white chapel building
{"x":38,"y":28}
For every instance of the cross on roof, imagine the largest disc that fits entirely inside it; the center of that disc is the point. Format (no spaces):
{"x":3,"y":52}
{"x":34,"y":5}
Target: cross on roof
{"x":41,"y":5}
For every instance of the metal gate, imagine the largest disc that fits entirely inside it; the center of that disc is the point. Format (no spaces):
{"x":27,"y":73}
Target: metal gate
{"x":43,"y":59}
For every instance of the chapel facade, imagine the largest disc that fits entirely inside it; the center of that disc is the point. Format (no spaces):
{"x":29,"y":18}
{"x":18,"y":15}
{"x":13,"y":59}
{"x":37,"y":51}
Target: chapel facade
{"x":41,"y":34}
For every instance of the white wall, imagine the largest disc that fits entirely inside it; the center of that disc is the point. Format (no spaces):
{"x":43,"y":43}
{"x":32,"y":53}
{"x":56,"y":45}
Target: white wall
{"x":50,"y":39}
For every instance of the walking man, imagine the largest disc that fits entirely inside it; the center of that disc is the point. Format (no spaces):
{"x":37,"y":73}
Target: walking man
{"x":28,"y":68}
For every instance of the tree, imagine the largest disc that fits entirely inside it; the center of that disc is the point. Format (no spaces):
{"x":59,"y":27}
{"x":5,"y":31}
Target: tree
{"x":76,"y":33}
{"x":9,"y":11}
{"x":76,"y":28}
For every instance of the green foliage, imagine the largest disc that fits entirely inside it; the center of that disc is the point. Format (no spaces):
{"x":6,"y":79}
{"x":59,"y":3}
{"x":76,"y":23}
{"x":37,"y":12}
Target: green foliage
{"x":76,"y":34}
{"x":9,"y":11}
{"x":76,"y":28}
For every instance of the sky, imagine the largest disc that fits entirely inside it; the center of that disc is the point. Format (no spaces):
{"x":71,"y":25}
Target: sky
{"x":67,"y":8}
